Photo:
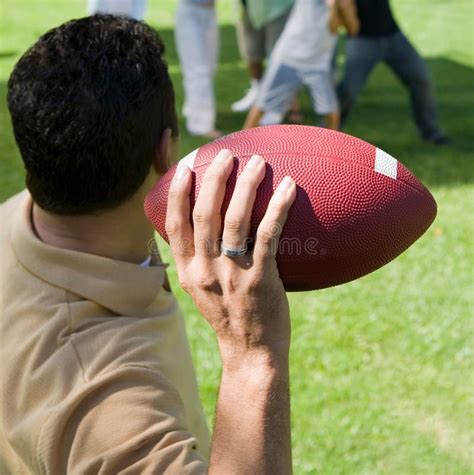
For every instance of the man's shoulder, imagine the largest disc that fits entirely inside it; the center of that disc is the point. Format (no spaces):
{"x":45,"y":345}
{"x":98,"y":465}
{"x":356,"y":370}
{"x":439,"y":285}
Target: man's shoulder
{"x":8,"y":207}
{"x":14,"y":199}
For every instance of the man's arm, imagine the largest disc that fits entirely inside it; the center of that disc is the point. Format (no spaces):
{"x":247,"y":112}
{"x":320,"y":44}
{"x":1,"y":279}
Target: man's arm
{"x":244,"y":301}
{"x":343,"y":13}
{"x":252,"y":430}
{"x":347,"y":11}
{"x":334,"y":19}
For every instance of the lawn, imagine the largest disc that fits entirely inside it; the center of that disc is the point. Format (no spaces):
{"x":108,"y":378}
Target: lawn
{"x":381,"y":368}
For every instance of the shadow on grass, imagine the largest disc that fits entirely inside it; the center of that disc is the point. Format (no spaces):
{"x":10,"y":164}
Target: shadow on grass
{"x":382,"y":117}
{"x":7,"y":54}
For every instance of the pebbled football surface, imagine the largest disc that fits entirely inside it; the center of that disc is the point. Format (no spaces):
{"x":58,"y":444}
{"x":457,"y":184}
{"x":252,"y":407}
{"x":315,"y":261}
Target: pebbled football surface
{"x":356,"y":209}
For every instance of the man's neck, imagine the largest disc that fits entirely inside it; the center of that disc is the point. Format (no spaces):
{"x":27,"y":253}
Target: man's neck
{"x":122,"y":233}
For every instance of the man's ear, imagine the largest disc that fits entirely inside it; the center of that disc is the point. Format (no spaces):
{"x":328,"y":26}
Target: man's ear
{"x":161,"y":160}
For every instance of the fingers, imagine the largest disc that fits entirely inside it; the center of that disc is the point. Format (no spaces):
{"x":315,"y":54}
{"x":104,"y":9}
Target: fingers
{"x":239,"y":212}
{"x":271,"y":226}
{"x":207,"y":210}
{"x":178,"y":225}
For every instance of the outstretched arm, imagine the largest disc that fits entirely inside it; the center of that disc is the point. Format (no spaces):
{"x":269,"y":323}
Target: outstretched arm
{"x":244,"y":301}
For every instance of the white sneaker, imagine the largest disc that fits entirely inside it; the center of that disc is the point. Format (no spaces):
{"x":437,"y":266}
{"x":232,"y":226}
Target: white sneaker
{"x":248,"y":100}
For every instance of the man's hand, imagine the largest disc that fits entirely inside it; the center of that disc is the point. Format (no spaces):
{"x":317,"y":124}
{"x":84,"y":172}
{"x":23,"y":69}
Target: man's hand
{"x":244,"y":301}
{"x":242,"y":298}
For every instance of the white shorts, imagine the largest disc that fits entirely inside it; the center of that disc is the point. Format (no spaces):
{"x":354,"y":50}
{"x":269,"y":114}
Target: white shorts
{"x":281,"y":83}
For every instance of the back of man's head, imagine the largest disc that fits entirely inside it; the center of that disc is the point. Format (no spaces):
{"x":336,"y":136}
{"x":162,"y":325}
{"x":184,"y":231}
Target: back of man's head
{"x":89,"y":102}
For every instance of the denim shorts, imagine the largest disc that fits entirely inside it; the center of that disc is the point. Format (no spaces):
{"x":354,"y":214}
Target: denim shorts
{"x":282,"y":81}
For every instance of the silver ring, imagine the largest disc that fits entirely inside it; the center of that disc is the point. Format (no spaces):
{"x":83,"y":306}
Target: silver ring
{"x":230,"y":252}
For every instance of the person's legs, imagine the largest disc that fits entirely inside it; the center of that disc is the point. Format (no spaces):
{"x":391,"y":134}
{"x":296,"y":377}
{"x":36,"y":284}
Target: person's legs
{"x":323,"y":95}
{"x":251,"y":42}
{"x":362,"y":54}
{"x":255,"y":70}
{"x":276,"y":93}
{"x":272,"y":31}
{"x":138,"y":9}
{"x":408,"y":65}
{"x":197,"y":43}
{"x":253,"y":118}
{"x":332,"y":120}
{"x":252,"y":48}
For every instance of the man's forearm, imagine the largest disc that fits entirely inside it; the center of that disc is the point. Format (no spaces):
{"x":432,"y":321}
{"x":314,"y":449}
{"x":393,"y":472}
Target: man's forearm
{"x":334,"y":19}
{"x":348,"y":14}
{"x":252,"y":431}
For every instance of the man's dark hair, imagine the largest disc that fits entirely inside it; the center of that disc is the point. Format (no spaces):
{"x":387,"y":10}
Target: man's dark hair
{"x":89,"y":102}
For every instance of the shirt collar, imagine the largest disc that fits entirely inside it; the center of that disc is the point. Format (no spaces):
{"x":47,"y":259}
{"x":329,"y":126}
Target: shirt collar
{"x":122,"y":287}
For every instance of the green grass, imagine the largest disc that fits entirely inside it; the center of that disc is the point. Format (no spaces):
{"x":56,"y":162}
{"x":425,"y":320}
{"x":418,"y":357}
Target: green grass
{"x":381,"y":368}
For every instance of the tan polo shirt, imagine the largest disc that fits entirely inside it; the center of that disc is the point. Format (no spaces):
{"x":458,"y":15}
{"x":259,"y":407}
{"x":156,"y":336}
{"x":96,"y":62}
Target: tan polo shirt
{"x":95,"y":368}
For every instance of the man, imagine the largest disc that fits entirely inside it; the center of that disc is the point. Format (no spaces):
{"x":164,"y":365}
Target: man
{"x":95,"y":366}
{"x":380,"y":39}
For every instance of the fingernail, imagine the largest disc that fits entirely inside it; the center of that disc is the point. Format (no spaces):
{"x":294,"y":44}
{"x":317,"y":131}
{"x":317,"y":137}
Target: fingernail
{"x":223,"y":155}
{"x":284,"y":185}
{"x":181,"y":171}
{"x":254,"y":161}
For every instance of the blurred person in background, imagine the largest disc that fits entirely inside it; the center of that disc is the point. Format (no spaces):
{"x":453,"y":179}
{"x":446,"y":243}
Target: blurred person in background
{"x":380,"y":39}
{"x":260,"y":24}
{"x":132,"y":8}
{"x":303,"y":56}
{"x":197,"y":41}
